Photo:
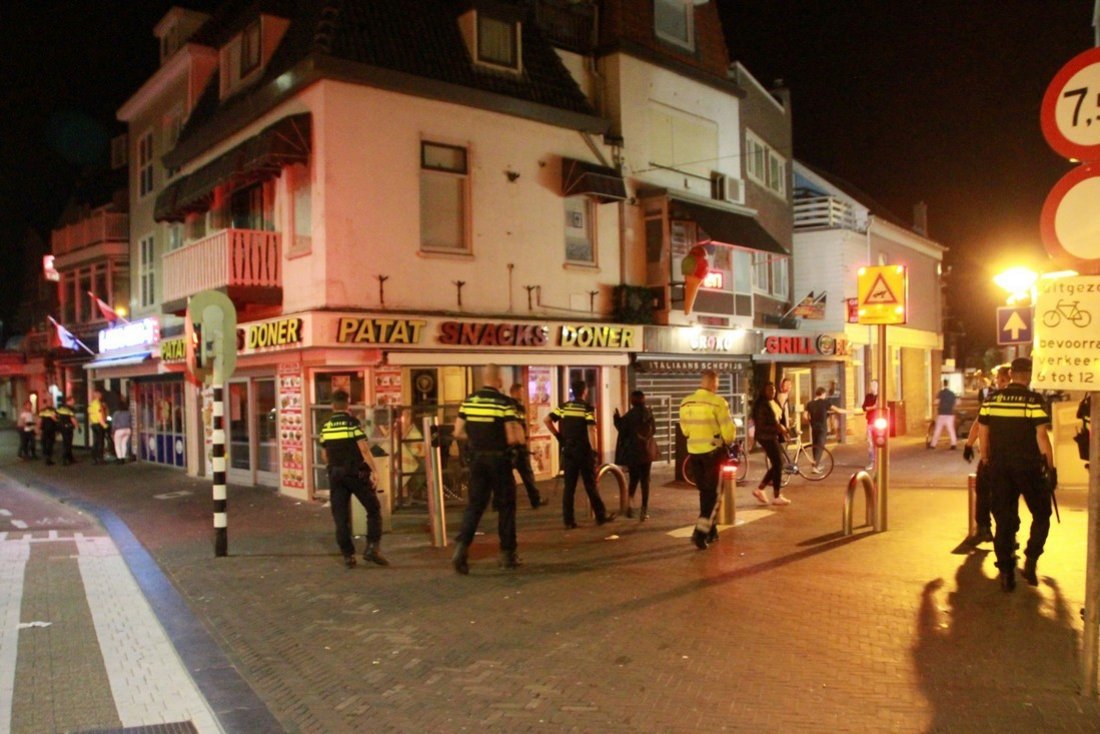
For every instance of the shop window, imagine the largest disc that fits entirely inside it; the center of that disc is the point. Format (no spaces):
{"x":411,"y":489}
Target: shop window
{"x":159,"y":414}
{"x":443,"y":191}
{"x":580,"y":240}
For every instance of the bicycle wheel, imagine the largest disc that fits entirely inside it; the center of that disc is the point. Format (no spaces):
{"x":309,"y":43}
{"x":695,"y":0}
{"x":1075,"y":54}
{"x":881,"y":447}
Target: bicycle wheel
{"x":742,"y":467}
{"x":784,"y":473}
{"x":688,"y":471}
{"x":825,"y":466}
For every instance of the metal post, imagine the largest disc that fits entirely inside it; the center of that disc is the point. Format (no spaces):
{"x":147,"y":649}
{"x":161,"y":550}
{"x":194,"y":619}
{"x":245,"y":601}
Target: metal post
{"x":221,"y":516}
{"x":1092,"y":565}
{"x":728,"y":513}
{"x":883,"y":452}
{"x":871,"y":498}
{"x":434,"y":475}
{"x":972,"y":502}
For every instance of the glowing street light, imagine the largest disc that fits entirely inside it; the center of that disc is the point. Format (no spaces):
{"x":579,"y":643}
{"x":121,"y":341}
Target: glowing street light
{"x":1017,"y":281}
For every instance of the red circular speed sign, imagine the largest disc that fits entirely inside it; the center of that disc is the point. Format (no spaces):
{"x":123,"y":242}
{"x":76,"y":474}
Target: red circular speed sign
{"x":1070,"y":114}
{"x":1069,"y":224}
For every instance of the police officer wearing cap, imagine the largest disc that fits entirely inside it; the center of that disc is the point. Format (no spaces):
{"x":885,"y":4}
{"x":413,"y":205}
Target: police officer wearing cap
{"x":574,"y":425}
{"x":47,"y":428}
{"x":351,"y":471}
{"x":708,"y":427}
{"x":1016,"y":449}
{"x":489,"y":423}
{"x":66,"y":423}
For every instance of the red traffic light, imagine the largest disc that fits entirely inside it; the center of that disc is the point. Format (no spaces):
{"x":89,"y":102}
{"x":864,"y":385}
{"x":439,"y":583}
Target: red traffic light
{"x":880,"y":428}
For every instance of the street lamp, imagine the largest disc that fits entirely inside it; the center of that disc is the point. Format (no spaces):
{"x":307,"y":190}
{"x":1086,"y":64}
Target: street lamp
{"x":1017,"y":281}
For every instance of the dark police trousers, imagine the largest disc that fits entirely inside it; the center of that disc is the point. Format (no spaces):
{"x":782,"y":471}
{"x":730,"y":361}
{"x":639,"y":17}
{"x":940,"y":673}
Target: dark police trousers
{"x":49,"y":436}
{"x":67,"y":446}
{"x":99,"y":435}
{"x":983,"y":490}
{"x":490,"y":479}
{"x":577,"y":462}
{"x":343,"y":483}
{"x":705,"y":468}
{"x":1008,"y":482}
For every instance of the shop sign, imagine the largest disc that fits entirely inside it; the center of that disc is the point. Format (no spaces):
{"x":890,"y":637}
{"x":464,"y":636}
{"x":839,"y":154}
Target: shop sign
{"x":703,"y":342}
{"x":267,"y":334}
{"x":173,"y":350}
{"x":353,"y":330}
{"x":487,"y":334}
{"x":597,"y":337}
{"x":824,"y":345}
{"x":144,"y":333}
{"x":691,"y":366}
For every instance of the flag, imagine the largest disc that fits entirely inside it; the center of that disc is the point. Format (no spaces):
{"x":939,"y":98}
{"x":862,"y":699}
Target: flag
{"x":67,"y":339}
{"x":108,"y":313}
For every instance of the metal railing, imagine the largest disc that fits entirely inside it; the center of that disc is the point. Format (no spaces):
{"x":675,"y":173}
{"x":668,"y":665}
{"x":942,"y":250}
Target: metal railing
{"x":870,"y":494}
{"x":229,"y":257}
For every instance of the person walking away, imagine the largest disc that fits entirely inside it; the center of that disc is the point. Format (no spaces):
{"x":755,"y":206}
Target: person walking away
{"x":351,"y":472}
{"x":870,"y":408}
{"x":983,"y":512}
{"x":26,"y":425}
{"x":783,"y":398}
{"x":636,"y":430}
{"x":121,"y":427}
{"x":47,"y":429}
{"x":769,"y":432}
{"x":573,"y":423}
{"x":66,"y":423}
{"x":97,"y":418}
{"x":817,"y":414}
{"x":708,"y":428}
{"x":522,"y":462}
{"x":488,"y":422}
{"x":1012,"y":430}
{"x":945,"y":417}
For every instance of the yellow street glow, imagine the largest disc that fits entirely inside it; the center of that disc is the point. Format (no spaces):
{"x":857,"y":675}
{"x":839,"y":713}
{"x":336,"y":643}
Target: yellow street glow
{"x":1017,"y":281}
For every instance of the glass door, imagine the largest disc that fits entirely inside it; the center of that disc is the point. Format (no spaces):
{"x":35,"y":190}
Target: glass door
{"x":252,"y":417}
{"x":239,"y":465}
{"x":267,"y":436}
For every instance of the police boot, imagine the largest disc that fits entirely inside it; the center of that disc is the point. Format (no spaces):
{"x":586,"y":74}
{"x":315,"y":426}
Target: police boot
{"x":1029,"y":571}
{"x":459,"y":560}
{"x":509,"y":559}
{"x":371,"y":554}
{"x":1008,"y":580}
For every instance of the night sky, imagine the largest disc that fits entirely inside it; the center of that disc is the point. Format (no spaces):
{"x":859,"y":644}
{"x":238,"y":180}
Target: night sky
{"x":935,"y":101}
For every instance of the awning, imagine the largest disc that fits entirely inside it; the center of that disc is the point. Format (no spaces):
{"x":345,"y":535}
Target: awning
{"x":261,"y":157}
{"x":601,"y":183}
{"x":726,"y":227}
{"x":122,"y":360}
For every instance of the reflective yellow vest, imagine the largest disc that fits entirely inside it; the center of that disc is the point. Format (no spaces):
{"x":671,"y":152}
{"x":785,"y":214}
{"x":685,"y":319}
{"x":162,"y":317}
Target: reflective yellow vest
{"x":705,"y":421}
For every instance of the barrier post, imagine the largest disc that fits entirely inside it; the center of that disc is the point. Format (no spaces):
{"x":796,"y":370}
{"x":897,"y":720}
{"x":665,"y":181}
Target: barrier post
{"x":871,"y":495}
{"x":972,"y":502}
{"x":434,"y":475}
{"x":728,"y":514}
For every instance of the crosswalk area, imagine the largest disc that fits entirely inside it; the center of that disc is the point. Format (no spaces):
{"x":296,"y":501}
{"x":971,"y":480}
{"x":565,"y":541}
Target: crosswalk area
{"x":80,"y":647}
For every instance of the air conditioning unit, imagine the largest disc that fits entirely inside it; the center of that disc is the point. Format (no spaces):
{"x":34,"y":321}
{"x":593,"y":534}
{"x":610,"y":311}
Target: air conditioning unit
{"x":726,"y":188}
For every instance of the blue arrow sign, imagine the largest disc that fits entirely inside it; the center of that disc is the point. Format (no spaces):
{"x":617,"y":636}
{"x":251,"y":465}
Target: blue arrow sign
{"x":1014,"y":325}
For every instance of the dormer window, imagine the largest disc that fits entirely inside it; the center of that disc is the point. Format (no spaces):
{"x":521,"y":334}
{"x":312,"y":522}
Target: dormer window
{"x":250,"y":48}
{"x":674,"y":21}
{"x":494,"y":36}
{"x":497,"y":42}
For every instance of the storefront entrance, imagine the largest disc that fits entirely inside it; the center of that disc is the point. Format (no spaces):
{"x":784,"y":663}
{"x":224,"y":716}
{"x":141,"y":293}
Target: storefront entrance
{"x":158,"y":412}
{"x":252,"y":416}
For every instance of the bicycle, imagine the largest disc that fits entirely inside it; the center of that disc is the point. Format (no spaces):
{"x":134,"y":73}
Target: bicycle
{"x":816,"y":473}
{"x":1068,"y":310}
{"x":736,"y":456}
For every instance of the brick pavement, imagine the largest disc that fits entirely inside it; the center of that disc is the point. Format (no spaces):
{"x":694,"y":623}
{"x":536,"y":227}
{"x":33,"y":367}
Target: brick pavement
{"x":783,"y":626}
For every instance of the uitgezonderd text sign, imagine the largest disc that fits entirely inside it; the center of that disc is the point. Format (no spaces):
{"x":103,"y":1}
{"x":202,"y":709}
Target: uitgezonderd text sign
{"x":1066,"y":353}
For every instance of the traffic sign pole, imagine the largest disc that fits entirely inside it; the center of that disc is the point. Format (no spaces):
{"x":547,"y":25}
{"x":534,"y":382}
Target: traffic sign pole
{"x":1091,"y":636}
{"x":883,"y":458}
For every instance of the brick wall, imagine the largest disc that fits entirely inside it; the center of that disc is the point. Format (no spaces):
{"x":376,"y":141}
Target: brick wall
{"x":632,"y":20}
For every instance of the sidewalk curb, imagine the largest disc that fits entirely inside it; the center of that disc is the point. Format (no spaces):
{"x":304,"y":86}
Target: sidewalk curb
{"x":232,"y":700}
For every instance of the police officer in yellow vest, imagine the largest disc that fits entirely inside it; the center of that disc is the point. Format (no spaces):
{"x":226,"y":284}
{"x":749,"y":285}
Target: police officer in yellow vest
{"x":47,"y":428}
{"x":706,"y":423}
{"x":489,"y":423}
{"x":351,"y":471}
{"x":574,"y":425}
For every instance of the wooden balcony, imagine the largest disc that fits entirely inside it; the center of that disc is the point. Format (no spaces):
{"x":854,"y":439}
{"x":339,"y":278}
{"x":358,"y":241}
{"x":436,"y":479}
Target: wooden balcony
{"x":242,"y":263}
{"x":100,"y":234}
{"x":824,"y":212}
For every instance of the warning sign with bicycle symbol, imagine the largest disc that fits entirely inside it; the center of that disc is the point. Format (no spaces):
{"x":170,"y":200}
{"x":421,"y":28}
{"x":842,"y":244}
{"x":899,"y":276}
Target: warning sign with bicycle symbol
{"x":1066,"y":354}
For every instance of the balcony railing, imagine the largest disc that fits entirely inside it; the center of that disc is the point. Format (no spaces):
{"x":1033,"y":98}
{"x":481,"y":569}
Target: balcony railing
{"x":91,"y":230}
{"x":229,"y":259}
{"x":824,"y":212}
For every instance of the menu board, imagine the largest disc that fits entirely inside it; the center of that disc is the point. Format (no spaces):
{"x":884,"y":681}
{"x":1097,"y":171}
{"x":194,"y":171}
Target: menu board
{"x":387,"y":386}
{"x":540,"y":381}
{"x":291,"y":427}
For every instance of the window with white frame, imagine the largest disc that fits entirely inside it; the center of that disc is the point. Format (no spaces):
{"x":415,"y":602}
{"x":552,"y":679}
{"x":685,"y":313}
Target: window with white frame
{"x":175,"y":236}
{"x":743,"y":274}
{"x":765,"y":166}
{"x":781,"y":277}
{"x":302,"y":211}
{"x":580,"y":243}
{"x":674,"y":21}
{"x":173,"y":124}
{"x":145,"y":164}
{"x":443,"y":191}
{"x":761,"y":280}
{"x":498,"y":42}
{"x":147,"y":270}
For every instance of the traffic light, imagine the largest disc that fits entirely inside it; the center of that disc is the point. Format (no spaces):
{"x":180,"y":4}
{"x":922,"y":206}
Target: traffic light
{"x":880,"y":427}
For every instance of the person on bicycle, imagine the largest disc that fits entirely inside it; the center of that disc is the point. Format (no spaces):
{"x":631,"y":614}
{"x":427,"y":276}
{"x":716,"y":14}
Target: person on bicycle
{"x":573,"y":423}
{"x":707,"y":425}
{"x":817,"y":415}
{"x":769,"y":431}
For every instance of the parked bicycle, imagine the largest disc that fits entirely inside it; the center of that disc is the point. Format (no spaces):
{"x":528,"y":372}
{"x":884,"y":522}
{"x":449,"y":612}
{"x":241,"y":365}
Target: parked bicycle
{"x":736,"y":457}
